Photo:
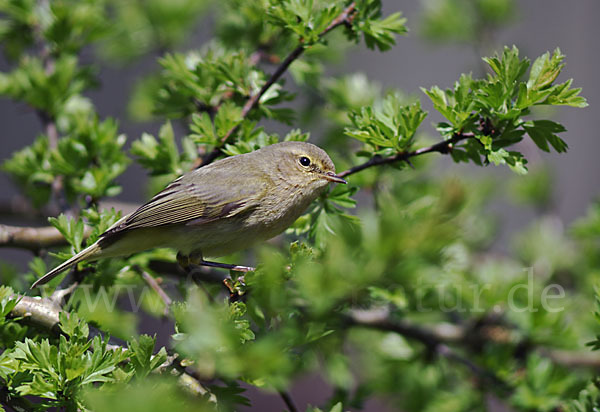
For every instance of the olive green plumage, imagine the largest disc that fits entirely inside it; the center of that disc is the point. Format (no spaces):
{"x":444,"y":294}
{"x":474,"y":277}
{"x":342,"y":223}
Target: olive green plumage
{"x":222,"y":207}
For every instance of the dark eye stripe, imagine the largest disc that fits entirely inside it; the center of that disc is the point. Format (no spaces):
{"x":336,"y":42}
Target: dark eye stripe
{"x":305,"y":161}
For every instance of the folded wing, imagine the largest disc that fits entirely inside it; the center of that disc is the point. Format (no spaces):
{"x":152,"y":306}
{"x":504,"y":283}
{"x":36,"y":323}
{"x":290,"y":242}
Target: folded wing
{"x":198,"y":197}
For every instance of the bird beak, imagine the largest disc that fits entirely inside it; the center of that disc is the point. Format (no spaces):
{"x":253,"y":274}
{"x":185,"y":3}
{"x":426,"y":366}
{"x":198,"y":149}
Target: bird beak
{"x":332,"y":177}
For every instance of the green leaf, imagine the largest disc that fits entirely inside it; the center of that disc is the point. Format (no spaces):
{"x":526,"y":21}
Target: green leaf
{"x":160,"y":156}
{"x":378,"y":33}
{"x":508,"y":68}
{"x":203,"y":131}
{"x":545,"y":70}
{"x":562,"y":94}
{"x":296,"y":135}
{"x":543,"y":132}
{"x":392,"y":126}
{"x":70,"y":228}
{"x":142,"y":357}
{"x":341,"y":195}
{"x":31,"y":169}
{"x":228,"y":117}
{"x":381,"y":34}
{"x":456,"y":104}
{"x":73,"y":327}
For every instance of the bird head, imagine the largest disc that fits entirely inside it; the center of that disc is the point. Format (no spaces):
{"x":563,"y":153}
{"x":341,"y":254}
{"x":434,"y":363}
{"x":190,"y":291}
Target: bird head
{"x":303,"y":164}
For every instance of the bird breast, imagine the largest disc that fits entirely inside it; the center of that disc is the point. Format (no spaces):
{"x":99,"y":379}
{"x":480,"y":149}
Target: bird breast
{"x":278,"y":210}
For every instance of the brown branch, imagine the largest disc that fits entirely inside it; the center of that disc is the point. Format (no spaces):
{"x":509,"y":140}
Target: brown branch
{"x":443,"y":147}
{"x":46,"y":118}
{"x":33,"y":238}
{"x":153,"y":283}
{"x":574,"y":359}
{"x":344,"y":18}
{"x":21,"y":207}
{"x":36,"y":238}
{"x":57,"y":185}
{"x":42,"y":312}
{"x":60,"y":296}
{"x":446,"y":333}
{"x":289,"y":402}
{"x":15,"y":403}
{"x":379,"y":320}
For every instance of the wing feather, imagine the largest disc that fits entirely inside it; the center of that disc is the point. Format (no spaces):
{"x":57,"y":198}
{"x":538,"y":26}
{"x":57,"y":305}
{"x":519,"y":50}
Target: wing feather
{"x":198,"y":197}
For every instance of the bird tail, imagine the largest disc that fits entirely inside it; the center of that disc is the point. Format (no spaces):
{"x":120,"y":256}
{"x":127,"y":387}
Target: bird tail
{"x":85,"y":254}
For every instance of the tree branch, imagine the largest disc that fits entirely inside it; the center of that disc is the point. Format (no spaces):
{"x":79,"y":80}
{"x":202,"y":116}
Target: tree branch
{"x":47,"y":119}
{"x":585,"y":359}
{"x":445,"y":333}
{"x":443,"y":147}
{"x":153,"y":283}
{"x":36,"y":238}
{"x":33,"y":238}
{"x":21,"y":207}
{"x":289,"y":402}
{"x":343,"y":19}
{"x":17,"y":404}
{"x":379,"y":320}
{"x":42,"y":312}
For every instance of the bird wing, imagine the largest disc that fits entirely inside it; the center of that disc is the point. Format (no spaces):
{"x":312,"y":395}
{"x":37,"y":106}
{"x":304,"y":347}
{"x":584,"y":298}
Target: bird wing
{"x":198,"y":197}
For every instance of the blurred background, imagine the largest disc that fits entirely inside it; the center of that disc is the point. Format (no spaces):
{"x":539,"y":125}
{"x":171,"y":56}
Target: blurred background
{"x":434,"y":52}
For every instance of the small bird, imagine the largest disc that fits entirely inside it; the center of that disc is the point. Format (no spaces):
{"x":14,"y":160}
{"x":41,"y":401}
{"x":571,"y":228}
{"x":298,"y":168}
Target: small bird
{"x":220,"y":208}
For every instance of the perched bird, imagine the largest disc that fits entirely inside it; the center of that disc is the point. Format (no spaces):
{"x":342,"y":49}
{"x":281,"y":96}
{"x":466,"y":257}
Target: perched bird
{"x":220,"y":208}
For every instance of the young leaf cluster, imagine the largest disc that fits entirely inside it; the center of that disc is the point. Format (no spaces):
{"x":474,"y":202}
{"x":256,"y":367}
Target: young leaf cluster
{"x":485,"y":117}
{"x":78,"y":156}
{"x":89,"y":157}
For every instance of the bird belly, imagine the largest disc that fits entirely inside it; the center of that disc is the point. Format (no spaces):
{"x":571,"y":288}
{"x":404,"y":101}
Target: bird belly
{"x":215,"y":239}
{"x":135,"y":241}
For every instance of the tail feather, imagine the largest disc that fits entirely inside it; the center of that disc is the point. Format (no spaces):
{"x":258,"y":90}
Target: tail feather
{"x":87,"y":253}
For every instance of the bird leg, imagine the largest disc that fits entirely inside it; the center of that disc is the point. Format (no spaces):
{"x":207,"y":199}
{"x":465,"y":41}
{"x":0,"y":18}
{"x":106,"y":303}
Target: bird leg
{"x":235,"y":268}
{"x":195,"y":258}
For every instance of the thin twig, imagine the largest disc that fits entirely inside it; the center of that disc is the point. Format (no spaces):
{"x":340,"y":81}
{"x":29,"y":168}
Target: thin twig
{"x":372,"y":320}
{"x":21,"y":207}
{"x":289,"y":402}
{"x":149,"y":279}
{"x":435,"y":335}
{"x":17,"y":404}
{"x":440,"y":147}
{"x":47,"y":119}
{"x":585,"y":359}
{"x":57,"y":186}
{"x":344,"y":18}
{"x":59,"y":296}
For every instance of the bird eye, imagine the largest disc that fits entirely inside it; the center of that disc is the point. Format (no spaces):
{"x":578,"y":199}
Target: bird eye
{"x":305,"y":161}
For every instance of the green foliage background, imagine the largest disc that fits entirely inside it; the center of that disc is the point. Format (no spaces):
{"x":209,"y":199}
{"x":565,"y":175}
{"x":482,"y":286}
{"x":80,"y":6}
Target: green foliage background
{"x":401,"y":298}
